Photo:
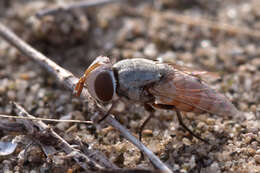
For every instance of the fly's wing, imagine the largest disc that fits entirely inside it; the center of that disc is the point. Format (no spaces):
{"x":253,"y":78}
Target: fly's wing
{"x":202,"y":74}
{"x":188,"y":93}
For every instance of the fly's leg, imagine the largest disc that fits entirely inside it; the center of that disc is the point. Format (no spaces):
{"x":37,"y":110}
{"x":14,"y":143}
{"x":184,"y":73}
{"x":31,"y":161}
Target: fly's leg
{"x":151,"y":113}
{"x":143,"y":125}
{"x":161,"y":106}
{"x":151,"y":110}
{"x":108,"y":112}
{"x":186,"y":128}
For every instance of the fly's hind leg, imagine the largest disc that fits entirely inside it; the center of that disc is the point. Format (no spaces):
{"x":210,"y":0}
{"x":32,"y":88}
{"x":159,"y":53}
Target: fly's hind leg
{"x":186,"y":128}
{"x":162,"y":106}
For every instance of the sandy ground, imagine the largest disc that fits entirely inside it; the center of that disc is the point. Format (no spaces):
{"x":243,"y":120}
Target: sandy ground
{"x":139,"y":30}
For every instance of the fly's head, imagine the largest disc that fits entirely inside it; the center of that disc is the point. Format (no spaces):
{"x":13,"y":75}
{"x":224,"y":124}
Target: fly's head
{"x":99,"y":79}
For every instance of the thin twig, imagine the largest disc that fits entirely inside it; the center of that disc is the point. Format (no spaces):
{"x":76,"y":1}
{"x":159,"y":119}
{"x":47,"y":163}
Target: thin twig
{"x":46,"y":119}
{"x":64,"y":8}
{"x":93,"y":155}
{"x":189,"y":20}
{"x":215,"y":25}
{"x":83,"y":160}
{"x":69,"y":80}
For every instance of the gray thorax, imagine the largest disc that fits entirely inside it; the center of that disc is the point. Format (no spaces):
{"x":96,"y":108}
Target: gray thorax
{"x":134,"y":75}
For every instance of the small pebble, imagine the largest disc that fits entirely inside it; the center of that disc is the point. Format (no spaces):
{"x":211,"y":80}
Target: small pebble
{"x":251,"y":151}
{"x":147,"y":132}
{"x":257,"y":158}
{"x":150,"y":51}
{"x":201,"y":125}
{"x":258,"y":152}
{"x":210,"y":121}
{"x":186,"y":141}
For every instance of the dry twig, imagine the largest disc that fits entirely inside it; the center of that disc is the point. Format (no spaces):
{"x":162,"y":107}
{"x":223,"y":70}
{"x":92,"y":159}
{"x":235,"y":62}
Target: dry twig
{"x":46,"y":119}
{"x":215,"y":25}
{"x":69,"y":80}
{"x":83,"y":4}
{"x":95,"y":157}
{"x":189,"y":20}
{"x":83,"y":160}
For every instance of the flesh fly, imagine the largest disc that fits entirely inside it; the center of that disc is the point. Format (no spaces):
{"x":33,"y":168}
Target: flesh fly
{"x":155,"y":85}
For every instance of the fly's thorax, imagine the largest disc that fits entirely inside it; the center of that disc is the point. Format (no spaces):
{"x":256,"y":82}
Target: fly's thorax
{"x":134,"y":75}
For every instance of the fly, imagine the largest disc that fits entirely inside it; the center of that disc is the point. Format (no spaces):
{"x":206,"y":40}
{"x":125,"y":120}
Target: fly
{"x":155,"y":85}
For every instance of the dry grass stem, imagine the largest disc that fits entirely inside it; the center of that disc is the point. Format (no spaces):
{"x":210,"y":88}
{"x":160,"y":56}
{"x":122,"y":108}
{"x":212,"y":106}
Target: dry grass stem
{"x":83,"y":160}
{"x":214,"y":25}
{"x":46,"y":119}
{"x":82,"y":4}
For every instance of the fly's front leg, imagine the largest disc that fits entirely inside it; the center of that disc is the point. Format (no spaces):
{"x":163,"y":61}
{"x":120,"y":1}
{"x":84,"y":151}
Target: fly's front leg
{"x":151,"y":111}
{"x":170,"y":107}
{"x":108,"y":112}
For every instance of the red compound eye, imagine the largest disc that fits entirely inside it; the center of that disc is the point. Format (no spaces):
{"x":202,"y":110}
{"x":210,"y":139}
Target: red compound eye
{"x":104,"y":86}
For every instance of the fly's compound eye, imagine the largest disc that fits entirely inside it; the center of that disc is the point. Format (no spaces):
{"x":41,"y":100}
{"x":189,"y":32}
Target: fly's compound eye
{"x":101,"y":84}
{"x":104,"y":86}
